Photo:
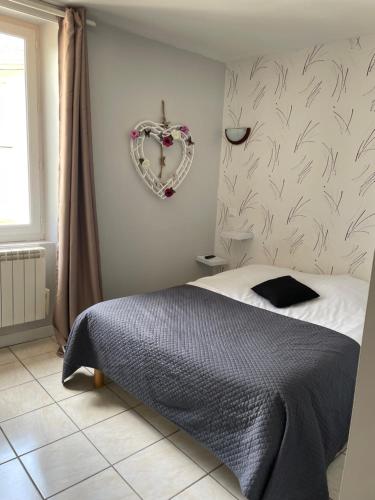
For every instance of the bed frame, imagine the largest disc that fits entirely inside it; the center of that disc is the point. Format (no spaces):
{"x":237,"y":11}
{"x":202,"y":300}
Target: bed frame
{"x":98,"y":379}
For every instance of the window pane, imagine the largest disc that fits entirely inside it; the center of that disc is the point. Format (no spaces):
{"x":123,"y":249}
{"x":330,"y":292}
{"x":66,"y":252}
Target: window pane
{"x":14,"y":171}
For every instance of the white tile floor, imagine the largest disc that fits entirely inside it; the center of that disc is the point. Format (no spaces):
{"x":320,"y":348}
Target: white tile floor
{"x":76,"y":442}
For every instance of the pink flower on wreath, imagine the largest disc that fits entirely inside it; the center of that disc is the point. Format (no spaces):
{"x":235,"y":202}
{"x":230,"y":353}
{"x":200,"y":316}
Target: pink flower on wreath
{"x":169,"y":192}
{"x":134,"y":134}
{"x":167,"y":141}
{"x":184,"y":129}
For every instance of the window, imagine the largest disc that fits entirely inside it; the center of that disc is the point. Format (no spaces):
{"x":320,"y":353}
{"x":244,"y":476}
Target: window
{"x":20,"y":192}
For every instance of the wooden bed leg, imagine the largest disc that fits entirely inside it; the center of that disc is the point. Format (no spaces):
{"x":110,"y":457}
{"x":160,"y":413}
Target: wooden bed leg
{"x":98,"y":379}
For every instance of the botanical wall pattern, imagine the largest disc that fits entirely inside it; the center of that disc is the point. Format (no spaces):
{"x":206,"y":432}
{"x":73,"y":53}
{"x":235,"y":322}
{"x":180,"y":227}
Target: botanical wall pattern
{"x":304,"y":181}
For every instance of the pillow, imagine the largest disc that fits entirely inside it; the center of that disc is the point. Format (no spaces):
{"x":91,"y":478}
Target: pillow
{"x":284,"y":291}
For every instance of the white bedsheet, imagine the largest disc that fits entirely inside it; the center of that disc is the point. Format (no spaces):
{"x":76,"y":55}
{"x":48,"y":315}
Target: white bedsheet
{"x":341,"y":305}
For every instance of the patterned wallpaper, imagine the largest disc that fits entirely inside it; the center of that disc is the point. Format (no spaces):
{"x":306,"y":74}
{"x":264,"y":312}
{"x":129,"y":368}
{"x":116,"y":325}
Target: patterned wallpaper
{"x":304,"y":181}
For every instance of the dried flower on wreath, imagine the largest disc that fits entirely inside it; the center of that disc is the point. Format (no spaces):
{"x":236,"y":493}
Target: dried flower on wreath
{"x":169,"y":192}
{"x":167,"y":141}
{"x":134,"y":134}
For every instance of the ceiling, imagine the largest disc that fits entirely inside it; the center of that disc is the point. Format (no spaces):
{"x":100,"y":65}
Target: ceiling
{"x":234,"y":29}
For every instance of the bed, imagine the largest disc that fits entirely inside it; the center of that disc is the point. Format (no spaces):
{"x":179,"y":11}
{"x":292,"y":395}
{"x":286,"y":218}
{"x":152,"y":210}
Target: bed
{"x":269,"y":391}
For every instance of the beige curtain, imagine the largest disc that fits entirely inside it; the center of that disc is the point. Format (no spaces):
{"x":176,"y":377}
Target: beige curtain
{"x":78,"y":271}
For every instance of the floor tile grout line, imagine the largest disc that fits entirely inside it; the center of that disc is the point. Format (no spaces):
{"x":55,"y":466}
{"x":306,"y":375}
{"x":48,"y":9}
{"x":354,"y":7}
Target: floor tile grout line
{"x":8,"y":460}
{"x":28,"y":369}
{"x":185,"y":453}
{"x":71,"y":419}
{"x":20,"y":462}
{"x":78,"y":432}
{"x":10,"y":347}
{"x":22,"y":366}
{"x":62,"y":409}
{"x":34,"y":355}
{"x":92,"y":388}
{"x":37,"y":380}
{"x":171,"y":442}
{"x":172,"y":434}
{"x":30,"y":372}
{"x":100,"y":421}
{"x":81,"y":430}
{"x":197,"y":481}
{"x":75,"y":484}
{"x":68,"y":397}
{"x":55,"y":401}
{"x":29,"y":476}
{"x":187,"y":487}
{"x":164,"y":438}
{"x":25,"y":413}
{"x":89,"y":477}
{"x":138,"y":451}
{"x":134,"y":408}
{"x":20,"y":455}
{"x":15,"y":360}
{"x":154,"y":426}
{"x":89,"y":440}
{"x":111,"y":465}
{"x":91,"y":425}
{"x":130,"y":486}
{"x":10,"y":443}
{"x":114,"y":392}
{"x":95,"y":423}
{"x":222,"y":485}
{"x":34,"y":379}
{"x":18,"y":385}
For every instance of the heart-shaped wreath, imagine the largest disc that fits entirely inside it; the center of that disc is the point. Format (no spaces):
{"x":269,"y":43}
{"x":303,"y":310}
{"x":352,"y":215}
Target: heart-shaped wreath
{"x":166,"y":135}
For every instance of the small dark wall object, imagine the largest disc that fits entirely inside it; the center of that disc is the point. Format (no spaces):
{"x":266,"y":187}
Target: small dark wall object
{"x":237,"y":135}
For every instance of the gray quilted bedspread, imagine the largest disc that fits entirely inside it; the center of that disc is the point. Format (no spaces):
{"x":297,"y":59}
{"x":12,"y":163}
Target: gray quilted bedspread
{"x":269,"y":395}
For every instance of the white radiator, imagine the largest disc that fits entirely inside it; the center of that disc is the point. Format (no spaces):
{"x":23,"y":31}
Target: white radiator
{"x":23,"y":294}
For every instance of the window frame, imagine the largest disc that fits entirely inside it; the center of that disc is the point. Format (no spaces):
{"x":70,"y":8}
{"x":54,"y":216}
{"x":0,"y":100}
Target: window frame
{"x":35,"y":229}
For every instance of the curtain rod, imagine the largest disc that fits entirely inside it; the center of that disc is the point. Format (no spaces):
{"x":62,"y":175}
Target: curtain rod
{"x":43,"y":7}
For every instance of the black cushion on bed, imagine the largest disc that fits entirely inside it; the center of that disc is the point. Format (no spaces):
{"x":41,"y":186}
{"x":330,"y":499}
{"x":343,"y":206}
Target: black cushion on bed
{"x":284,"y":291}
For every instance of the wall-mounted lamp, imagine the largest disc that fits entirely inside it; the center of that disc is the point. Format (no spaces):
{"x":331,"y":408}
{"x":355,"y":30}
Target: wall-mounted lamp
{"x":237,"y":135}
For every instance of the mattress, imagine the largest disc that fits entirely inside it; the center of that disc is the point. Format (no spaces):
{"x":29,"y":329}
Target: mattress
{"x":340,"y":307}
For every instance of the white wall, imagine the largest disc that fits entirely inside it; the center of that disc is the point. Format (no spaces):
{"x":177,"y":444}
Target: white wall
{"x":304,"y":181}
{"x":147,"y":243}
{"x":359,"y":479}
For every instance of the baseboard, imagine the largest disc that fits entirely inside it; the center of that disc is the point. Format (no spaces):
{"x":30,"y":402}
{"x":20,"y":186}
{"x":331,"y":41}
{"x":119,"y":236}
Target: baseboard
{"x":26,"y":335}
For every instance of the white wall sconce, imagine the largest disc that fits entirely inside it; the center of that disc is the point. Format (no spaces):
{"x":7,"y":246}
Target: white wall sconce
{"x":237,"y":135}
